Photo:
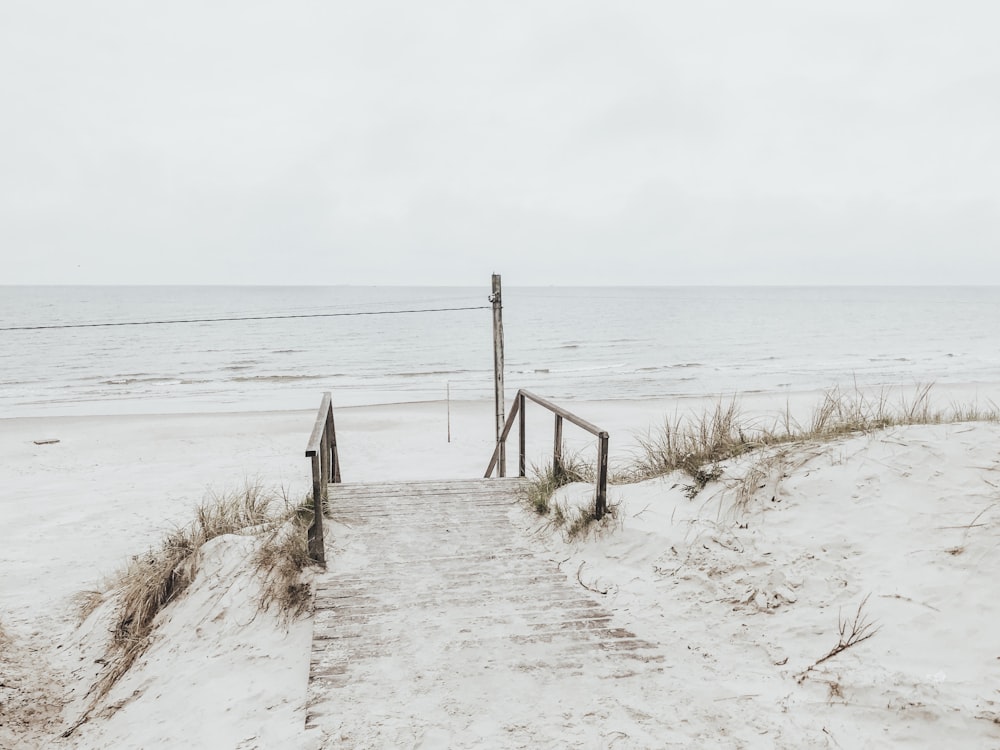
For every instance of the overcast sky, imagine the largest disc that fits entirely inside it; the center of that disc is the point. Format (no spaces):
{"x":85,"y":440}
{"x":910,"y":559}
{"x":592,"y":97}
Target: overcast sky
{"x":660,"y":142}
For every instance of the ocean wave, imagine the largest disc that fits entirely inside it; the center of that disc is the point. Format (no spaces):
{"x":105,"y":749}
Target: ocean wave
{"x":569,"y":370}
{"x":718,"y":351}
{"x":276,"y":378}
{"x":427,"y":373}
{"x":126,"y":380}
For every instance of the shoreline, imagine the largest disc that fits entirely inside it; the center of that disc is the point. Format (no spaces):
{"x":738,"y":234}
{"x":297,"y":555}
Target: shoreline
{"x":964,"y":388}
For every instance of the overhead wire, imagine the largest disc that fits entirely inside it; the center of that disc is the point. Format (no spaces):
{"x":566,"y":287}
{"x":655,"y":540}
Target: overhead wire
{"x":239,"y":318}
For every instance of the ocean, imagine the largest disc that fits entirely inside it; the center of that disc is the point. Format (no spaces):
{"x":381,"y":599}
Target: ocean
{"x":570,"y":344}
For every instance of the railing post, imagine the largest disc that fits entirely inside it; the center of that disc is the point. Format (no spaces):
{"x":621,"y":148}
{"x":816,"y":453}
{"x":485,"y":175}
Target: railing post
{"x":601,"y":501}
{"x":316,"y":547}
{"x":497,"y":455}
{"x":557,"y":464}
{"x":322,"y":452}
{"x":521,"y":465}
{"x":324,"y":465}
{"x":334,"y":456}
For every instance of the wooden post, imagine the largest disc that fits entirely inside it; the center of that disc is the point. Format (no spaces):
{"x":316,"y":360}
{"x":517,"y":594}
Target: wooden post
{"x":601,"y":501}
{"x":334,"y":456}
{"x":557,"y":465}
{"x":325,"y":461}
{"x":521,"y":464}
{"x":322,"y":449}
{"x":449,"y":410}
{"x":316,"y":547}
{"x":497,"y":300}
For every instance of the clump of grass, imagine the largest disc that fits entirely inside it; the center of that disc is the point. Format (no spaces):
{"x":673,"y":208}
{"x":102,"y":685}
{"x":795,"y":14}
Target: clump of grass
{"x":151,"y":581}
{"x":282,"y":557}
{"x":545,"y":482}
{"x":696,"y":444}
{"x":579,"y":524}
{"x":573,"y":522}
{"x":692,"y":443}
{"x":974,"y":412}
{"x":86,"y":602}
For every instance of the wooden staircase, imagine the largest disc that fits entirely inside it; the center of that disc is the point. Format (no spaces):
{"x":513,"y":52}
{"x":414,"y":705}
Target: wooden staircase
{"x":431,"y":589}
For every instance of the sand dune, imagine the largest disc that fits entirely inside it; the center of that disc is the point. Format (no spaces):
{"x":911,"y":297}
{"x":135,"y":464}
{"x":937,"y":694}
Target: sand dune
{"x":744,"y":598}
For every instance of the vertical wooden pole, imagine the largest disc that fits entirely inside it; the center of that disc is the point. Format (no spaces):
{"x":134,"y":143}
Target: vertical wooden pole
{"x":325,"y":465}
{"x":316,"y":548}
{"x":448,"y":391}
{"x":334,"y":455}
{"x":601,"y":501}
{"x":496,"y":299}
{"x":557,"y":465}
{"x":521,"y":463}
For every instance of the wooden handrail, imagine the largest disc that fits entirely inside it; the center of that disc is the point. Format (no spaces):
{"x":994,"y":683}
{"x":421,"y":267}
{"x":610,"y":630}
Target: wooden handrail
{"x":322,"y":449}
{"x":497,"y":461}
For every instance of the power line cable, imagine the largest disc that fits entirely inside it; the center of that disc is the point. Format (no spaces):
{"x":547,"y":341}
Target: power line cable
{"x":248,"y":317}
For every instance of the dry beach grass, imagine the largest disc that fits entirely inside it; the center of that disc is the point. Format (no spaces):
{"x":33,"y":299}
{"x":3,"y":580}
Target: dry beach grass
{"x":151,"y":581}
{"x":693,"y":443}
{"x":697,"y":443}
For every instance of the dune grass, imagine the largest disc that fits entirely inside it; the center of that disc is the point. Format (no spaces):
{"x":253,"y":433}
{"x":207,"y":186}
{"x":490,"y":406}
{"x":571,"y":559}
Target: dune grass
{"x":281,"y":558}
{"x":574,"y":522}
{"x":545,"y":481}
{"x":695,"y":444}
{"x":151,"y":581}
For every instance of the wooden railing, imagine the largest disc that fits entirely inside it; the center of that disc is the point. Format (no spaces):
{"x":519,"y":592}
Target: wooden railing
{"x":322,"y":449}
{"x":498,"y":461}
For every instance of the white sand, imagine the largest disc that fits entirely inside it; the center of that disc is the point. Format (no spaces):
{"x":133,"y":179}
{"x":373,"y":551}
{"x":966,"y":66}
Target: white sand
{"x":910,"y":518}
{"x":72,"y":512}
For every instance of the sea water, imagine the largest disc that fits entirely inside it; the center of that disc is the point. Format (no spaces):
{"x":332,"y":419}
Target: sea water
{"x":565,"y":343}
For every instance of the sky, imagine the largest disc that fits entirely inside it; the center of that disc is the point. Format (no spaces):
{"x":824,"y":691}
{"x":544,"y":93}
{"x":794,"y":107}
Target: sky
{"x":555,"y":142}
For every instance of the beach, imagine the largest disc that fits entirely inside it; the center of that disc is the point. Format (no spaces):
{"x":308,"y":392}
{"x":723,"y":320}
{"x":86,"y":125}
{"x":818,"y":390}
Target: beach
{"x":746,"y":254}
{"x":906,"y":520}
{"x":115,"y":435}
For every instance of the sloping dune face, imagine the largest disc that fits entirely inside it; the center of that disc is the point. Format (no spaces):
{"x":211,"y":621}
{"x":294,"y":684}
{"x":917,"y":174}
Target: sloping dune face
{"x":759,"y":581}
